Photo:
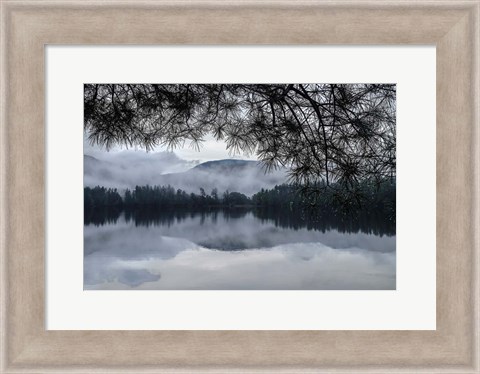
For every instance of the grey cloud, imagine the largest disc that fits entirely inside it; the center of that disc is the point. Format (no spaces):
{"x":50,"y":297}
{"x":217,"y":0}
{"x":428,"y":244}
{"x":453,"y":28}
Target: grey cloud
{"x":124,"y":255}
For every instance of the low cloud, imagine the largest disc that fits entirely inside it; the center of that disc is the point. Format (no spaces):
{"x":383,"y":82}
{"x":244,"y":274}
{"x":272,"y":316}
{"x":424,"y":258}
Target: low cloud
{"x":126,"y":168}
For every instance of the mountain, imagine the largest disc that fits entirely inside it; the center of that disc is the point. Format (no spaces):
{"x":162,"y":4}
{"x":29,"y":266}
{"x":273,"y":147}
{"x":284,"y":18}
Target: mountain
{"x":126,"y":169}
{"x":242,"y":176}
{"x":89,"y":160}
{"x":92,"y":166}
{"x":229,"y":165}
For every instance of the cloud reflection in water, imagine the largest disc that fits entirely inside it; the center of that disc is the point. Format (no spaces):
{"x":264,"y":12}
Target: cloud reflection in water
{"x":186,"y":255}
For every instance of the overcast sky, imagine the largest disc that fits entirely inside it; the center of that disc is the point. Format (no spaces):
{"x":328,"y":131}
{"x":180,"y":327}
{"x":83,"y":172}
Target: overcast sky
{"x":210,"y":149}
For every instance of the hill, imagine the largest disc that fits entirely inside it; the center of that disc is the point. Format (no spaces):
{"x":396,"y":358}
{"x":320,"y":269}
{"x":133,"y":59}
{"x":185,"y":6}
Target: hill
{"x":242,"y":176}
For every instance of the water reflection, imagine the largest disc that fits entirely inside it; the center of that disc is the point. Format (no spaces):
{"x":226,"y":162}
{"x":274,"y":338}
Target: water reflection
{"x":363,"y":221}
{"x":235,"y":249}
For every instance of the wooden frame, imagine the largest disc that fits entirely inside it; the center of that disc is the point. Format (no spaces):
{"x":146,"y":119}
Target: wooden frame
{"x":453,"y":26}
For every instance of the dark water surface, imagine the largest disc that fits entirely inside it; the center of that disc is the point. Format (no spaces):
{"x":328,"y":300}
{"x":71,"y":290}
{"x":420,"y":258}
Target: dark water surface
{"x":231,"y":249}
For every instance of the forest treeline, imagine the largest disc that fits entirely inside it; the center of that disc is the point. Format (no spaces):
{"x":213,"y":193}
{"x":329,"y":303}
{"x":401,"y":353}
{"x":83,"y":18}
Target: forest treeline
{"x":160,"y":196}
{"x":380,"y":197}
{"x":285,"y":205}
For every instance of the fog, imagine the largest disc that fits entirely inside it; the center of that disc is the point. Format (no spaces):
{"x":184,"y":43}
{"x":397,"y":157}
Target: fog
{"x":127,"y":170}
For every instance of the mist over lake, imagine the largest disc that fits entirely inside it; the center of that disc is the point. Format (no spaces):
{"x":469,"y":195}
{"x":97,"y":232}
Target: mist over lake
{"x":239,"y":186}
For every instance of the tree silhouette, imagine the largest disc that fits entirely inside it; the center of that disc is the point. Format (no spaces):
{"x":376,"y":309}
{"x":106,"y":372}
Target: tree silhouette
{"x":282,"y":204}
{"x":330,"y":136}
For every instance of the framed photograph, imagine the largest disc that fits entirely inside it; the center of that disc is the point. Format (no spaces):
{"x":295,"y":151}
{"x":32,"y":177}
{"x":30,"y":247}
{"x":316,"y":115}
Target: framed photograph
{"x":239,"y":187}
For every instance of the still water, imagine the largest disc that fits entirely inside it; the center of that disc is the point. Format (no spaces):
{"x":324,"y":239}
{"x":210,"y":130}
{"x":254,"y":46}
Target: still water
{"x":236,"y":249}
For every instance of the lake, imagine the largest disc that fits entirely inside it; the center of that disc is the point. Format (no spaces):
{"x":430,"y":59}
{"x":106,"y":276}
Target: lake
{"x":237,"y":249}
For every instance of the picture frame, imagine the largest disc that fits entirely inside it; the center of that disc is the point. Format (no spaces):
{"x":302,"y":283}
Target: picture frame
{"x":27,"y":27}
